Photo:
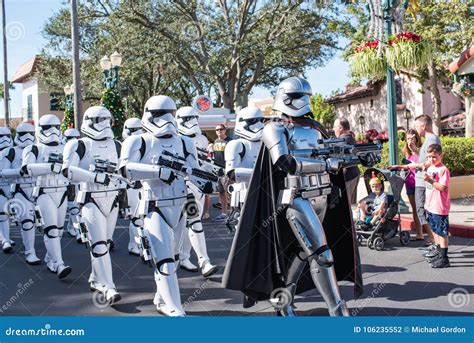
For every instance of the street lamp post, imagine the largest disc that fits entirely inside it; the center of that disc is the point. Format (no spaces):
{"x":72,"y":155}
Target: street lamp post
{"x":110,"y":67}
{"x":407,"y":116}
{"x":388,"y":6}
{"x":69,"y":92}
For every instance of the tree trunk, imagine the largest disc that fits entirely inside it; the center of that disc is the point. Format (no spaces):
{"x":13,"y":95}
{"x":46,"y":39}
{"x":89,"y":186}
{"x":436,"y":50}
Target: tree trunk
{"x":76,"y":67}
{"x":469,"y":117}
{"x":436,"y":97}
{"x":6,"y":84}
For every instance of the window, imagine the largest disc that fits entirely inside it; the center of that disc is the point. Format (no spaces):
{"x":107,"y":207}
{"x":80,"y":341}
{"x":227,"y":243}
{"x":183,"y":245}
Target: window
{"x":55,"y":103}
{"x":398,"y":92}
{"x":371,"y":103}
{"x":29,"y":108}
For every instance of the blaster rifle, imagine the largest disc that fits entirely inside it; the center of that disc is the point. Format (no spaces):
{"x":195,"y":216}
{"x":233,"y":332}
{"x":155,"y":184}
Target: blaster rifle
{"x":55,"y":158}
{"x":144,"y":243}
{"x":176,"y":163}
{"x":109,"y":168}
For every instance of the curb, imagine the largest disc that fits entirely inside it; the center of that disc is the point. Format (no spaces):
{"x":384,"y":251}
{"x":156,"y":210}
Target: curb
{"x":456,"y":230}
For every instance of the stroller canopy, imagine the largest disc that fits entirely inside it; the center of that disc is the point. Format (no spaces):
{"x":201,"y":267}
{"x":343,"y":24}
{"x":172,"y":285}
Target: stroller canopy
{"x":396,"y":182}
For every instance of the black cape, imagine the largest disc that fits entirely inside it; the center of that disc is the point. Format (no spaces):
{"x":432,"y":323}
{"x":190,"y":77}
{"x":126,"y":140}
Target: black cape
{"x":264,"y":243}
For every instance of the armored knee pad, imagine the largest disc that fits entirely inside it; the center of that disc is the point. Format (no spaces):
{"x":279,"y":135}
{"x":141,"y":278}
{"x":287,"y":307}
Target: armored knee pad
{"x":99,"y":249}
{"x":323,"y":256}
{"x":137,"y":222}
{"x":74,"y":211}
{"x":168,"y":266}
{"x":52,"y":231}
{"x":27,"y":225}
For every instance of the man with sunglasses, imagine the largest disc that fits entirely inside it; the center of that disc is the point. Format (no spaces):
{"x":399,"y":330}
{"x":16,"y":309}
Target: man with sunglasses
{"x":218,"y":148}
{"x":5,"y":145}
{"x":98,"y":195}
{"x":51,"y":186}
{"x":133,"y":127}
{"x":241,"y":154}
{"x":22,"y":188}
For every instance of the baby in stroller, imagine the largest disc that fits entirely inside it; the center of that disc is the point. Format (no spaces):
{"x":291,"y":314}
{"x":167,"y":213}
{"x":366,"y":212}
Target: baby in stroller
{"x":372,"y":208}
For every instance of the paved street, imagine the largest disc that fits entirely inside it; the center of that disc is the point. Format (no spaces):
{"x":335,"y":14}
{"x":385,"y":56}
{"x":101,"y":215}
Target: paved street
{"x":397,"y":282}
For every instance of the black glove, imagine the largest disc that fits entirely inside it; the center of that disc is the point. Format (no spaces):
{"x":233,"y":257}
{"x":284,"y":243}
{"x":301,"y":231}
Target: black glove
{"x":369,"y":160}
{"x":220,"y":173}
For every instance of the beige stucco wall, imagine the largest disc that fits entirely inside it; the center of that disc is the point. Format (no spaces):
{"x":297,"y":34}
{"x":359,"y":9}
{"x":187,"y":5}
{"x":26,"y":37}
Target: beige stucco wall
{"x":376,"y":117}
{"x":41,"y":100}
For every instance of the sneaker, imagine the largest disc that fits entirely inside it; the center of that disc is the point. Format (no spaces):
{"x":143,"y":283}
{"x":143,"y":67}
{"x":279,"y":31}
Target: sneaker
{"x":208,"y":269}
{"x":220,"y":218}
{"x":440,"y":263}
{"x":431,"y":253}
{"x":434,"y":258}
{"x":217,"y":205}
{"x":188,"y":266}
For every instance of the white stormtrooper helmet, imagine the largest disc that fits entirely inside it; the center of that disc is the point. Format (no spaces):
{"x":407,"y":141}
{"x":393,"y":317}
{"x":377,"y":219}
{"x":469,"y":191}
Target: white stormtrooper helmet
{"x":132,"y":126}
{"x":187,"y":119}
{"x":292,"y":97}
{"x":249,"y":123}
{"x":96,"y":124}
{"x":5,"y":138}
{"x":158,"y":116}
{"x":25,"y":135}
{"x":48,"y":130}
{"x":71,"y":133}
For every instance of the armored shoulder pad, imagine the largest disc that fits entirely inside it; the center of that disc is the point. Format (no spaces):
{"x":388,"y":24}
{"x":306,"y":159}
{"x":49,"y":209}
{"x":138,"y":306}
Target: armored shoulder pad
{"x":275,"y":139}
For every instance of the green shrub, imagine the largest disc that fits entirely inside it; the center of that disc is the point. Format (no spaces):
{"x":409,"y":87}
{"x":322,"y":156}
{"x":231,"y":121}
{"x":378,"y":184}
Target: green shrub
{"x":458,"y":155}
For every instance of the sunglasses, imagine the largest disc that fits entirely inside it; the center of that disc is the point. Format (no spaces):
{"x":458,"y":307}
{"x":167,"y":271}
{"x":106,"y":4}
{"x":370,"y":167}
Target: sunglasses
{"x":47,"y":127}
{"x":220,"y":129}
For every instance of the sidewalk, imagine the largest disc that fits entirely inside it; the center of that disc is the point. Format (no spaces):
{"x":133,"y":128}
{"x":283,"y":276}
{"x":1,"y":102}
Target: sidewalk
{"x":461,"y":216}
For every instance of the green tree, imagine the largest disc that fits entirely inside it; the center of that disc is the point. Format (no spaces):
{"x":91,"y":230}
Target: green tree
{"x":322,"y":111}
{"x":195,"y":47}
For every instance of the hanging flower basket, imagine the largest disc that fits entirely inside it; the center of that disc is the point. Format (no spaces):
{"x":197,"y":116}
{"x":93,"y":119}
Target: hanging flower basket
{"x":366,"y":62}
{"x":407,"y":51}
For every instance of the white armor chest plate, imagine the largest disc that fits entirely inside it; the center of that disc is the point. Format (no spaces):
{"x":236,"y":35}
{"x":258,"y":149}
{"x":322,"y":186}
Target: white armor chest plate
{"x":4,"y":183}
{"x":157,"y":189}
{"x":303,"y":137}
{"x":251,"y":153}
{"x":52,"y":179}
{"x":104,"y":150}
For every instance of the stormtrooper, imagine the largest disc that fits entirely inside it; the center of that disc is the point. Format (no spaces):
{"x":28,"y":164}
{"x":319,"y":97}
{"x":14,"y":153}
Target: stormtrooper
{"x":281,"y":247}
{"x":5,"y":144}
{"x":92,"y":161}
{"x":72,"y":208}
{"x":133,"y":126}
{"x":163,"y":195}
{"x":188,"y":126}
{"x":22,"y":189}
{"x":240,"y":156}
{"x":43,"y":162}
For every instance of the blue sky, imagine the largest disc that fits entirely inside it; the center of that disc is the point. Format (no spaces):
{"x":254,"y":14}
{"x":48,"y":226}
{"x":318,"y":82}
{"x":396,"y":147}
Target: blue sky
{"x":25,"y":19}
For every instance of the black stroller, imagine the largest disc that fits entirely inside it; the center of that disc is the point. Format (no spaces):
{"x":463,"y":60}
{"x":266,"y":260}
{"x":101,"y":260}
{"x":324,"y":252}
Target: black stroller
{"x":389,"y":225}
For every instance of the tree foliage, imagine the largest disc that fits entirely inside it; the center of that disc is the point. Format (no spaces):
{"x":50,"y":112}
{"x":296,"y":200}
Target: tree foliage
{"x":322,"y":111}
{"x":221,"y":48}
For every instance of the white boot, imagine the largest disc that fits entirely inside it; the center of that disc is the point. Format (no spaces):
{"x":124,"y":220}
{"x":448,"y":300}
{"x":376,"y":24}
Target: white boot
{"x":28,"y":237}
{"x":6,"y":242}
{"x":188,"y":266}
{"x":7,"y":247}
{"x":208,"y":269}
{"x":198,"y":241}
{"x":112,"y":296}
{"x":133,"y":248}
{"x":168,"y":289}
{"x":63,"y":271}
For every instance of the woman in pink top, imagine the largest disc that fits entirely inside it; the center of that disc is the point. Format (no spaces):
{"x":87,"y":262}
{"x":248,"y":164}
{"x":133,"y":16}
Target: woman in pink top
{"x":411,"y":149}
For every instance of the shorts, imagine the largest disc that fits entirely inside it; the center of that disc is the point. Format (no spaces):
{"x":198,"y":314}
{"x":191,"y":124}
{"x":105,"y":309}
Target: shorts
{"x":222,"y":184}
{"x":439,"y":223}
{"x":410,"y":190}
{"x":420,"y":204}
